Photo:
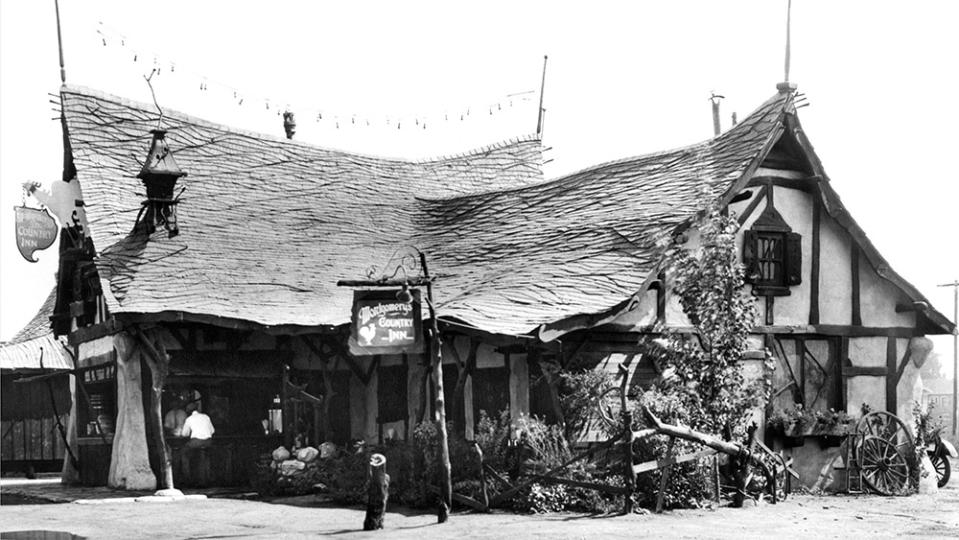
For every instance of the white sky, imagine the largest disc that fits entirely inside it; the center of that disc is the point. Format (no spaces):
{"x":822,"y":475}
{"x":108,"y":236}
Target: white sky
{"x":623,"y":79}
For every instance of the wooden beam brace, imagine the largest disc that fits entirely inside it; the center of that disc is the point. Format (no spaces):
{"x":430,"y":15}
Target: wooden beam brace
{"x":861,"y":371}
{"x":751,"y":207}
{"x":854,"y":270}
{"x":314,"y":349}
{"x":902,"y":365}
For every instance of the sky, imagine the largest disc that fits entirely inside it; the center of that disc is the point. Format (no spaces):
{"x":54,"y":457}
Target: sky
{"x":417,"y":79}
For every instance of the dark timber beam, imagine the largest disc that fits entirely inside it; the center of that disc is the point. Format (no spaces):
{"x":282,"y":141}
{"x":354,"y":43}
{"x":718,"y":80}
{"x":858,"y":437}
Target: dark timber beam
{"x":751,"y":207}
{"x":892,"y":379}
{"x":808,"y":183}
{"x":854,"y":270}
{"x":814,"y":263}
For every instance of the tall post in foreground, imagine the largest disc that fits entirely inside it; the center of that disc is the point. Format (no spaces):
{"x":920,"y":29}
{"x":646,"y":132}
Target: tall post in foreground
{"x":955,"y":355}
{"x":436,"y":359}
{"x":377,"y":493}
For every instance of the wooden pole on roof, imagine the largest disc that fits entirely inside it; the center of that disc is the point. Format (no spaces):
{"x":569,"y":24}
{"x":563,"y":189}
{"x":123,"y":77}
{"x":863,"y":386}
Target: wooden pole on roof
{"x":63,"y":71}
{"x":789,"y":8}
{"x":542,"y":88}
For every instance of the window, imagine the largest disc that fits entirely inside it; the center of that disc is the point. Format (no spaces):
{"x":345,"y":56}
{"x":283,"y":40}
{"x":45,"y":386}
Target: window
{"x":98,"y":393}
{"x":769,"y":260}
{"x":772,"y":254}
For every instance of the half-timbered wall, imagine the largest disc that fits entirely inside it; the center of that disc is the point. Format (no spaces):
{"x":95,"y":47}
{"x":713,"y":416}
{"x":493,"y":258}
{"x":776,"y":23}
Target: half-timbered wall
{"x":842,"y":308}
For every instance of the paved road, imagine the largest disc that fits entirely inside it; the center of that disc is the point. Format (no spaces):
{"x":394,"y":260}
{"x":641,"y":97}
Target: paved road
{"x":846,"y":517}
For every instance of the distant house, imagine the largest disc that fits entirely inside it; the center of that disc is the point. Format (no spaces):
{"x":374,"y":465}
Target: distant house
{"x":35,"y":396}
{"x":237,"y":286}
{"x":937,"y":395}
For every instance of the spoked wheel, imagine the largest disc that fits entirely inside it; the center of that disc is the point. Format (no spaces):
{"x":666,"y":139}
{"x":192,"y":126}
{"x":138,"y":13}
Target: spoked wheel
{"x":889,"y":427}
{"x":941,"y":464}
{"x":883,"y":467}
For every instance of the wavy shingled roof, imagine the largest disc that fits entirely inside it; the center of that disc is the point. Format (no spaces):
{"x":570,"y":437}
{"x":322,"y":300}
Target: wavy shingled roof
{"x":24,"y":349}
{"x":267,"y":225}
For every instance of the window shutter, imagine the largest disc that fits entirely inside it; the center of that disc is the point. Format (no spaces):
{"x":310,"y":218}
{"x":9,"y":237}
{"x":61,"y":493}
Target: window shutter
{"x":793,"y":259}
{"x":749,"y":256}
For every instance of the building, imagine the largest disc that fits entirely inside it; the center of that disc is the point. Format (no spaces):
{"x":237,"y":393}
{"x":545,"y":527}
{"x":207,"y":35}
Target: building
{"x":227,"y":296}
{"x":35,"y":377}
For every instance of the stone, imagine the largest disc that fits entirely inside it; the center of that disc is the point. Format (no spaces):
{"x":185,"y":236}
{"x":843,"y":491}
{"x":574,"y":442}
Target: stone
{"x":169,"y":493}
{"x":327,"y":450}
{"x":307,"y":454}
{"x":281,"y":454}
{"x":291,"y":467}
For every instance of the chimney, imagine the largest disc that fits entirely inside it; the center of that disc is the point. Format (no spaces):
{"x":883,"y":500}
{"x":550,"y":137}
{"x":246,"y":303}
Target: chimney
{"x":159,"y":174}
{"x":715,"y":98}
{"x":735,"y":120}
{"x":289,"y":124}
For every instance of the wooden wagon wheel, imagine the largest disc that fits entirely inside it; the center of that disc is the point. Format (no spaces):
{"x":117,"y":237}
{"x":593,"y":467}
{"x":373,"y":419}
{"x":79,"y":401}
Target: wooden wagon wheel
{"x":883,"y":467}
{"x":889,"y":427}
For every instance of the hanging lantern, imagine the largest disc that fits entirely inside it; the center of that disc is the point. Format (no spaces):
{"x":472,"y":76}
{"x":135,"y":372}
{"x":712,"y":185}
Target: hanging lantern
{"x":159,"y":175}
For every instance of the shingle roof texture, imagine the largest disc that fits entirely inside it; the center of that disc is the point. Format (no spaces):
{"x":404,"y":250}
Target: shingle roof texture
{"x":23,"y":350}
{"x":267,"y":225}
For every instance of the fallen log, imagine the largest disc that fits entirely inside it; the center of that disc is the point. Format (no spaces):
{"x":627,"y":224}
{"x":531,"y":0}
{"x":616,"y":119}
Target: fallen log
{"x":683,"y":432}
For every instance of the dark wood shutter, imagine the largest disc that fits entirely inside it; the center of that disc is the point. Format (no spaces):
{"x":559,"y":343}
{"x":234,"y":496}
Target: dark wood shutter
{"x":793,"y":259}
{"x":749,"y":256}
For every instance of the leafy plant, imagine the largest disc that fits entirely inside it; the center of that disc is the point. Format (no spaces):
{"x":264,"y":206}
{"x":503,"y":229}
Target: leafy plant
{"x":797,"y":418}
{"x":704,"y":367}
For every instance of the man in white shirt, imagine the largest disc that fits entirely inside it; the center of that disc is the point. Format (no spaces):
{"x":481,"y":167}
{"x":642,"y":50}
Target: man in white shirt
{"x":197,"y":427}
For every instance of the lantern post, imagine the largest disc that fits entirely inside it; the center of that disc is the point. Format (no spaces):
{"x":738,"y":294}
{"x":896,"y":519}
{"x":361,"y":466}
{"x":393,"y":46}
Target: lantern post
{"x":435,"y":354}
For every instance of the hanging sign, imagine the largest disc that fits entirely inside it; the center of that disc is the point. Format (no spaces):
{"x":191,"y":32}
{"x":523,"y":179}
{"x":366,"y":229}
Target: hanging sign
{"x":36,"y":230}
{"x":382,"y":324}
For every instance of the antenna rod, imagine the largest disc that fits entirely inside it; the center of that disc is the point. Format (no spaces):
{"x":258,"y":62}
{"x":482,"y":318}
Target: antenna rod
{"x":63,"y":72}
{"x":542,"y":88}
{"x":789,"y":8}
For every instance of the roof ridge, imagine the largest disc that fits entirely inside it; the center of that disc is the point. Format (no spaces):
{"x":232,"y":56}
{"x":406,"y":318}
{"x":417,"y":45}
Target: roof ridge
{"x":190,"y":118}
{"x":697,"y":146}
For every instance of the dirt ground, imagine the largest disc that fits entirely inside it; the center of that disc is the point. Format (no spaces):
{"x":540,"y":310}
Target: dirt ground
{"x":802,"y":516}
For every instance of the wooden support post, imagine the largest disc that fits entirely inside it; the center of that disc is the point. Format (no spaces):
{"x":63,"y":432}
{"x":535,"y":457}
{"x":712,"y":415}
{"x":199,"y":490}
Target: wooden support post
{"x":716,"y":491}
{"x":664,"y":478}
{"x":377,"y":493}
{"x":436,"y":343}
{"x":629,"y":475}
{"x":482,"y":475}
{"x":159,"y":364}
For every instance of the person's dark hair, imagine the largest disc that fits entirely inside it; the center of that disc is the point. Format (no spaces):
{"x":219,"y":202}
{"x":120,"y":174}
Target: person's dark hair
{"x":191,"y":406}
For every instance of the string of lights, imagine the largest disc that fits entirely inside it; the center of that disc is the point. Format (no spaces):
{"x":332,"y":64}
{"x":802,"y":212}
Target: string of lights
{"x":123,"y":49}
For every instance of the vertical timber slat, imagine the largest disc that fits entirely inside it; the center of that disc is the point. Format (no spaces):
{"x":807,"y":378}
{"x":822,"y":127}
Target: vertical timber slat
{"x":891,"y":379}
{"x":814,"y":263}
{"x":854,"y":263}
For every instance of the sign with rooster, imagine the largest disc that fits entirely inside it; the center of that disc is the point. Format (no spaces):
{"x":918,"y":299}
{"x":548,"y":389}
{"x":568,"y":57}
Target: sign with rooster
{"x":383,"y":323}
{"x":36,"y":230}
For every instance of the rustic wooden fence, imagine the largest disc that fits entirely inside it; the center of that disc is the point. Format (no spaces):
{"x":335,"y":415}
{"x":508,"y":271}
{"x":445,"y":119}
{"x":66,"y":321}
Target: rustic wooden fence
{"x":757,"y":471}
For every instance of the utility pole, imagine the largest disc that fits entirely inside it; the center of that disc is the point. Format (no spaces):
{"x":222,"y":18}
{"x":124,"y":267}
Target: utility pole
{"x":955,"y":353}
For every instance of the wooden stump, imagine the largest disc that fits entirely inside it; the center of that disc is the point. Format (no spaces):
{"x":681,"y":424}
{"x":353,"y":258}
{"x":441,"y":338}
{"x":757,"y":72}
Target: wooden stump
{"x":377,"y":493}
